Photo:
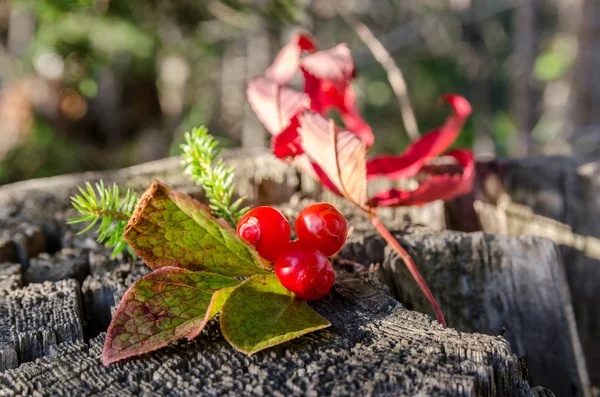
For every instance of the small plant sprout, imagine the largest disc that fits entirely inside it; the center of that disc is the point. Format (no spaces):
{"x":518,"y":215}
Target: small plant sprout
{"x":103,"y":206}
{"x":202,"y":163}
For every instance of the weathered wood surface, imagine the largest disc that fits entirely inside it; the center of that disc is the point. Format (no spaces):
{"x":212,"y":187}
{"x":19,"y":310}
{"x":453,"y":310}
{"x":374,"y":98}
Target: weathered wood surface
{"x":375,"y":347}
{"x":494,"y":284}
{"x":259,"y":176}
{"x":65,"y":264}
{"x":253,"y":168}
{"x":42,"y":316}
{"x":10,"y":280}
{"x":20,"y":241}
{"x":553,"y":197}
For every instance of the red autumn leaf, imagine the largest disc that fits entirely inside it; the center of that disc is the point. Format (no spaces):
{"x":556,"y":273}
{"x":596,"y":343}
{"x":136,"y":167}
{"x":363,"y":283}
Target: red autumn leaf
{"x":336,"y":157}
{"x":327,"y":76}
{"x":322,"y":177}
{"x":327,"y":85}
{"x":309,"y":167}
{"x":286,"y":63}
{"x":353,"y":120}
{"x":436,"y":187}
{"x":429,"y":146}
{"x":288,"y":143}
{"x":339,"y":155}
{"x":460,"y":106}
{"x":334,"y":66}
{"x":275,"y":105}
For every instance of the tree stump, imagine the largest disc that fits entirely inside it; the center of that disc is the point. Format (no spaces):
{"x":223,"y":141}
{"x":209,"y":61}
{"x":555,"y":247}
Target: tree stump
{"x":497,"y":285}
{"x":375,"y":347}
{"x":51,"y":340}
{"x":552,"y":197}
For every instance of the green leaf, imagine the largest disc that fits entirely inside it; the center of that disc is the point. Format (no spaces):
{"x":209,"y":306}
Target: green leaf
{"x":261,"y":313}
{"x":216,"y":304}
{"x":166,"y":305}
{"x":173,"y":229}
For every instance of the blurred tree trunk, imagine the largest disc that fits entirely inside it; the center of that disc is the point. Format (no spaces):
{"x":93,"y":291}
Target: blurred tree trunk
{"x":478,"y":70}
{"x":555,"y":123}
{"x":586,"y":84}
{"x":233,"y":87}
{"x":258,"y":56}
{"x":524,"y":57}
{"x":21,"y":30}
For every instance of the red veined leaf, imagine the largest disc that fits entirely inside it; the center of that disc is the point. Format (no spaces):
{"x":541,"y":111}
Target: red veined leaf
{"x":327,"y":76}
{"x":339,"y":154}
{"x":324,"y":96}
{"x":275,"y":106}
{"x":287,"y":143}
{"x":405,"y":165}
{"x":430,"y":145}
{"x":167,"y":304}
{"x":334,"y":66}
{"x":437,"y":187}
{"x":461,"y":109}
{"x":324,"y":179}
{"x":304,"y":163}
{"x":309,"y":167}
{"x":286,"y":63}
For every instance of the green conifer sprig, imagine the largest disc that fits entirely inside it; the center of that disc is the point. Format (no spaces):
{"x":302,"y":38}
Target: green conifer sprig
{"x":200,"y":158}
{"x":105,"y":207}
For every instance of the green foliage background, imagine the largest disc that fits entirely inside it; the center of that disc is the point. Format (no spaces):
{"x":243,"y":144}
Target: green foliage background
{"x":438,"y":47}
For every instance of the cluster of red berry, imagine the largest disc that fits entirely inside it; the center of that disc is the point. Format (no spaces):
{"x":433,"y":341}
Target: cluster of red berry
{"x":301,"y":265}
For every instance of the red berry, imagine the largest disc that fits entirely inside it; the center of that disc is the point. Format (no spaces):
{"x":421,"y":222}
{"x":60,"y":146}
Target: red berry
{"x":305,"y":271}
{"x":266,"y":229}
{"x":322,"y":226}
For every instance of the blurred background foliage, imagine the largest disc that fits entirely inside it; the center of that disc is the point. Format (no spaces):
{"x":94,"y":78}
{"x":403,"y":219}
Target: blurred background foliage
{"x":96,"y":84}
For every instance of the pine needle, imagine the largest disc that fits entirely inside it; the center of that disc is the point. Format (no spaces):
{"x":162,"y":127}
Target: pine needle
{"x":104,"y":207}
{"x":200,"y":158}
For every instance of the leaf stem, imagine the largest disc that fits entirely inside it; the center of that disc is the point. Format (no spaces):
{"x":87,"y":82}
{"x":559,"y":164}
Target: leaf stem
{"x":410,"y":264}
